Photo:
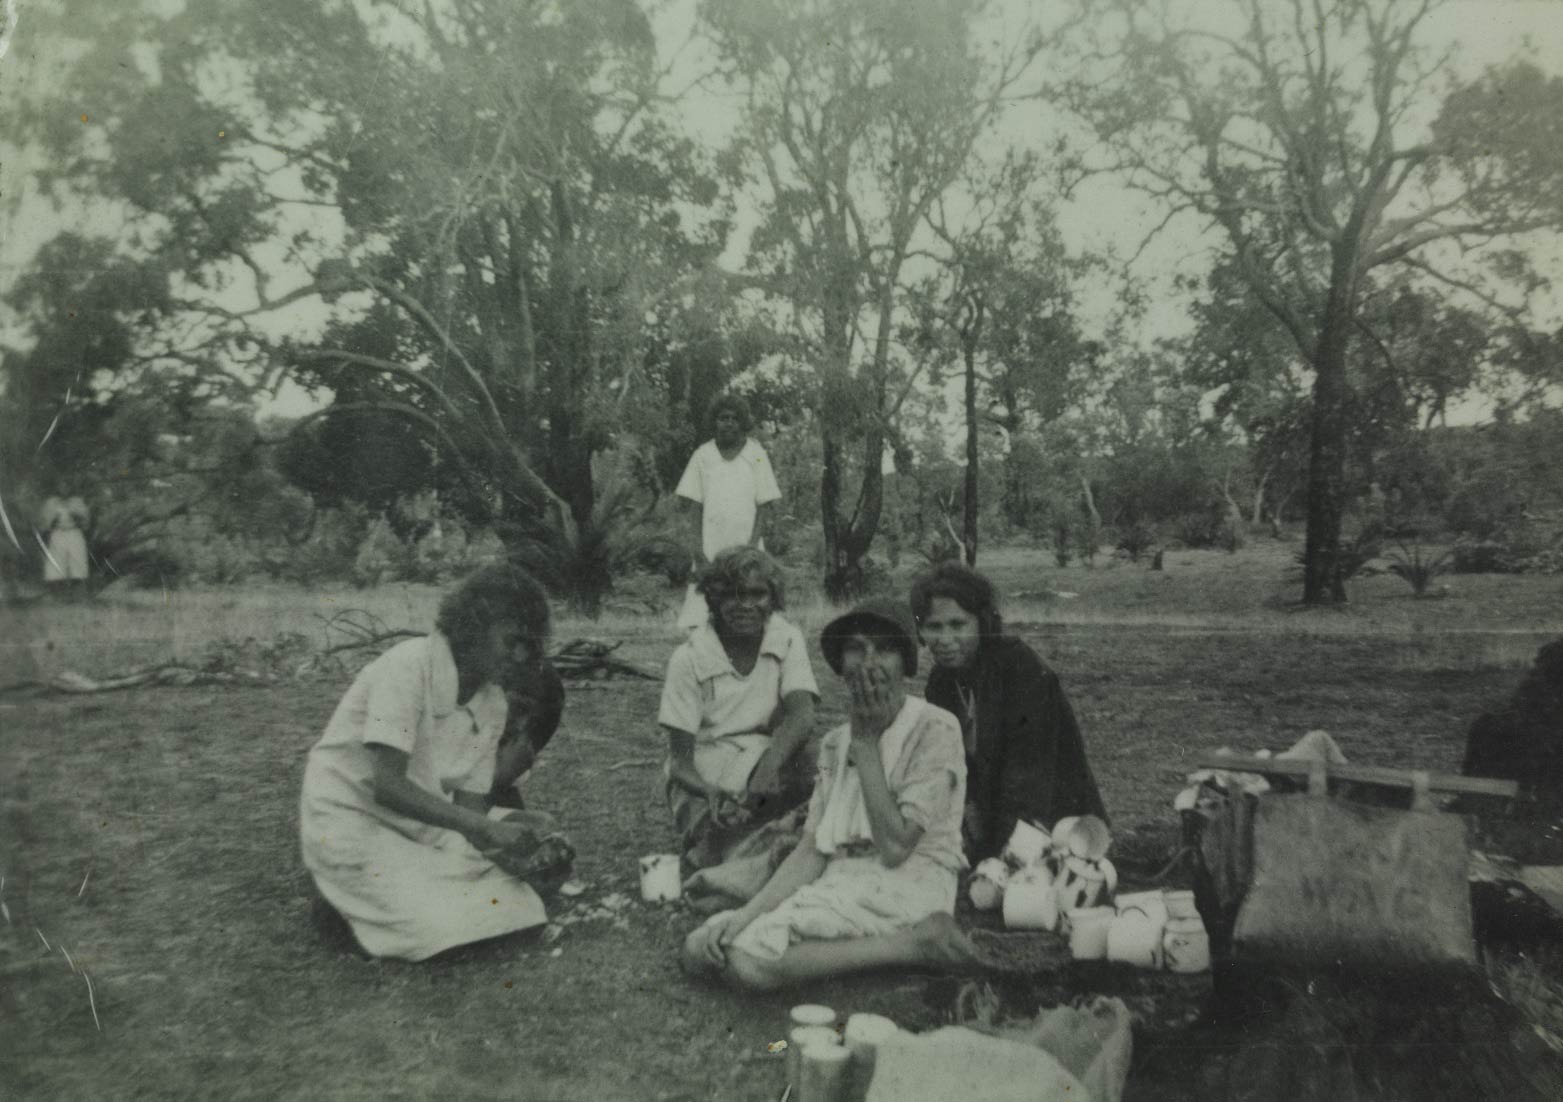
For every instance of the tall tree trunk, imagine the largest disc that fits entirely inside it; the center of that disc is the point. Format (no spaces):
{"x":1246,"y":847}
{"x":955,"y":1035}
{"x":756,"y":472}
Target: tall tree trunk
{"x":1322,"y":583}
{"x":1258,"y":513}
{"x":969,"y":512}
{"x":1093,"y":532}
{"x":838,"y":580}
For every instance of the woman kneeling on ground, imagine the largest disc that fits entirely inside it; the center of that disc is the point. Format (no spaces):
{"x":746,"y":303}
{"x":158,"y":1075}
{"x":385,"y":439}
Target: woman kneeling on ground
{"x":737,"y":709}
{"x":1024,"y":754}
{"x":872,"y":882}
{"x":394,"y":816}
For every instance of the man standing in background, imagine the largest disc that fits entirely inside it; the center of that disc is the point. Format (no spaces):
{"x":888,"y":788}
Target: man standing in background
{"x":728,"y":489}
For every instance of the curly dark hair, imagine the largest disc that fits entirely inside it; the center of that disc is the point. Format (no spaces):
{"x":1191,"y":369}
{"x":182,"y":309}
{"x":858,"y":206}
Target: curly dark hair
{"x":486,"y":596}
{"x":722,"y":577}
{"x":967,"y":588}
{"x":733,"y":402}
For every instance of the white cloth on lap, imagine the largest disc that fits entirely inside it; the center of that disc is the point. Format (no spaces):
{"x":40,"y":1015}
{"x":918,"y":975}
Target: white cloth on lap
{"x":854,"y":897}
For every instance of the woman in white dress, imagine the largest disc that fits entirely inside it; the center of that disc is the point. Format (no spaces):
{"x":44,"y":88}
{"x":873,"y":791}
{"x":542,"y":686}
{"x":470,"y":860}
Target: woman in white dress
{"x":65,"y":518}
{"x":394,"y":816}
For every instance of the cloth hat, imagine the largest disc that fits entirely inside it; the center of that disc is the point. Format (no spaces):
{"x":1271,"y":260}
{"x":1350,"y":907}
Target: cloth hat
{"x":876,"y":617}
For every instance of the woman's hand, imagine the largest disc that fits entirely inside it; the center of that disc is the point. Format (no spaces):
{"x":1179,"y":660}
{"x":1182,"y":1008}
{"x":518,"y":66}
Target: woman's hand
{"x":501,"y":834}
{"x":712,"y":939}
{"x":766,"y":779}
{"x":726,"y":811}
{"x":872,"y":706}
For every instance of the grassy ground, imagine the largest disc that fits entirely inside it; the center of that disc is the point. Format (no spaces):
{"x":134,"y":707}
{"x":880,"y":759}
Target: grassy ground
{"x":151,"y":834}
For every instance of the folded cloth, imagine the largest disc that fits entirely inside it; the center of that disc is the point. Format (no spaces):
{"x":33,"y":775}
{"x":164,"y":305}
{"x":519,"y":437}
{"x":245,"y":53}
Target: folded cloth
{"x":844,"y":818}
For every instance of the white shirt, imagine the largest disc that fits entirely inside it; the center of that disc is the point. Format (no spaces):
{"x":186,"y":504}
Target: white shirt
{"x":731,"y":715}
{"x":406,"y":699}
{"x":730,"y":493}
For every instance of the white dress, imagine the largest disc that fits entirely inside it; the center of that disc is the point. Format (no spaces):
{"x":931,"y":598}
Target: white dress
{"x":856,"y":896}
{"x":63,"y":519}
{"x":407,"y":888}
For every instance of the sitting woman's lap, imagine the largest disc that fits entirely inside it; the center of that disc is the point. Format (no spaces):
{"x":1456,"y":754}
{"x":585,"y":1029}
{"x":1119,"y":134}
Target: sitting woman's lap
{"x":854,"y":897}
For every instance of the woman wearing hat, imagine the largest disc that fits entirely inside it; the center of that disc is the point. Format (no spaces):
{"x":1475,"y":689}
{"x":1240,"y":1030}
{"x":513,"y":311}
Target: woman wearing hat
{"x":872,"y":882}
{"x":1024,"y":753}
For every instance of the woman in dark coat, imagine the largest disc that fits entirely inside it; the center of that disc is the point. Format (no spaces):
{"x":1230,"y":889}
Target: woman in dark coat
{"x":1025,"y":757}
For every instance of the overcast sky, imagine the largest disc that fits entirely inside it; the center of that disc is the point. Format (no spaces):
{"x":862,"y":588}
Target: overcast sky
{"x":1099,"y":218}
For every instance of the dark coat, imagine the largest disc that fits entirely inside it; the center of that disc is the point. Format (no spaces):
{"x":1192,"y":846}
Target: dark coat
{"x":1029,"y":759}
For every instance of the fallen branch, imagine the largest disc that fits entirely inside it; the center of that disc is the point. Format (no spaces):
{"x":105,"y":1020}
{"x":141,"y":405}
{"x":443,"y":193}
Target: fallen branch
{"x":372,"y":640}
{"x":632,"y":763}
{"x":579,"y":658}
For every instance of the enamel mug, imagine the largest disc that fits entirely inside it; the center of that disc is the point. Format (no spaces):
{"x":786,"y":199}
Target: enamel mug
{"x":1186,"y":945}
{"x":987,"y":884}
{"x":1150,"y":904}
{"x":659,"y":879}
{"x":1180,"y":904}
{"x":1088,"y":932}
{"x":1134,"y":938}
{"x":1084,"y":836}
{"x":1029,"y":902}
{"x":804,"y":1037}
{"x":1027,"y":845}
{"x":1083,"y":884}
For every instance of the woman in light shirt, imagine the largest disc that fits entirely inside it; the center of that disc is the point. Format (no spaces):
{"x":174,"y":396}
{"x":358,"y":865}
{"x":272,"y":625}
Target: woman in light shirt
{"x":394,"y":818}
{"x":737,"y":710}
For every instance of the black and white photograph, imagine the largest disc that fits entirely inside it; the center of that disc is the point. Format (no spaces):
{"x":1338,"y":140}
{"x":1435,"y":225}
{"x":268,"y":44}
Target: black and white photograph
{"x":781,"y":550}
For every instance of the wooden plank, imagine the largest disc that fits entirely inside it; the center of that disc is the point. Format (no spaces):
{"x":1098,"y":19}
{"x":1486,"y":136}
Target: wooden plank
{"x":1366,"y":774}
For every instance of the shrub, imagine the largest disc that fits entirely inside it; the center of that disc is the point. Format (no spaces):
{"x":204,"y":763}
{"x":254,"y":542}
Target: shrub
{"x":1417,"y":571}
{"x":1484,"y":557}
{"x":944,"y":547}
{"x":383,"y":557}
{"x":1136,"y":539}
{"x":664,"y":555}
{"x":1200,"y":530}
{"x":218,"y":560}
{"x":1548,"y":561}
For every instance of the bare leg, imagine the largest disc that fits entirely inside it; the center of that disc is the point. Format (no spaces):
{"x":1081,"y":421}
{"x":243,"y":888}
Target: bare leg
{"x":935,"y":940}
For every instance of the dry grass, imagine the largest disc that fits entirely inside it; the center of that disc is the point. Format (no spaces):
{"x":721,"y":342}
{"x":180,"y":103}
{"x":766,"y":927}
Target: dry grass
{"x":209,"y":980}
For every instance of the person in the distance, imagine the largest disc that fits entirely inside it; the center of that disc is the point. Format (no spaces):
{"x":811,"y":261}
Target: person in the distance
{"x":727,"y":491}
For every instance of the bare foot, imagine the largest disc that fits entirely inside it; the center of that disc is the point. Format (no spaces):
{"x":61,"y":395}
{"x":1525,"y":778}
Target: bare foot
{"x":943,"y":942}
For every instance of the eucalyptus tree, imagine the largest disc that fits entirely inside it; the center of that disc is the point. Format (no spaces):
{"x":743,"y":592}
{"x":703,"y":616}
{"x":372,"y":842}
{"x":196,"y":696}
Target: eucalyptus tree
{"x":463,"y":214}
{"x":1324,"y":144}
{"x":1003,"y":299}
{"x":857,"y":117}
